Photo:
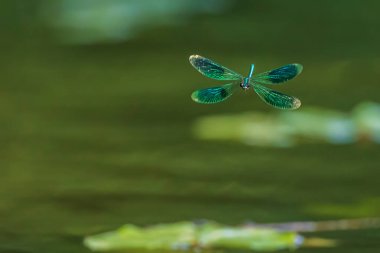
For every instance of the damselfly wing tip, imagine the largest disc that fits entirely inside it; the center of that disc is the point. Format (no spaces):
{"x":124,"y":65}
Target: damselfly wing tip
{"x":193,"y":59}
{"x":194,"y":56}
{"x":299,"y":68}
{"x":195,"y":97}
{"x":296,"y":103}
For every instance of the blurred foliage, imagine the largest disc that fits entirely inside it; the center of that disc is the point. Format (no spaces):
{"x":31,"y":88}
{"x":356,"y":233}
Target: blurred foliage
{"x":191,"y":236}
{"x":207,"y":236}
{"x":94,"y":21}
{"x":286,"y":129}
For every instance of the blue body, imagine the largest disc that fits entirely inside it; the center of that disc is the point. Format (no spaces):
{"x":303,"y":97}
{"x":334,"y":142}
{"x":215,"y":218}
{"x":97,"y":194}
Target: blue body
{"x":245,"y":82}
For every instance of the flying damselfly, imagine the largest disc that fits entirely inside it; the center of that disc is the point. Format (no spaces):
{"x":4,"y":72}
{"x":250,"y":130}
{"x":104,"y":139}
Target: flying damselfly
{"x":218,"y":94}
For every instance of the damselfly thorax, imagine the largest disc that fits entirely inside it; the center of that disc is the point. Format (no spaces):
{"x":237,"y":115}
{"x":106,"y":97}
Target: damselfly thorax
{"x":245,"y":81}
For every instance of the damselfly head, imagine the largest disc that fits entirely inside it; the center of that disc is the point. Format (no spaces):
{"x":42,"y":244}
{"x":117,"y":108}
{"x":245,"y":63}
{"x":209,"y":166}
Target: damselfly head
{"x":245,"y":84}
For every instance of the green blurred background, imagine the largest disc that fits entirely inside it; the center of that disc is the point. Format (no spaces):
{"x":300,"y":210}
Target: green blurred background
{"x":95,"y":124}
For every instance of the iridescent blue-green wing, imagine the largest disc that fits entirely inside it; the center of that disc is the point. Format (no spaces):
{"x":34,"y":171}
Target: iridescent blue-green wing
{"x":277,"y":99}
{"x":214,"y":95}
{"x":279,"y":75}
{"x":212,"y":69}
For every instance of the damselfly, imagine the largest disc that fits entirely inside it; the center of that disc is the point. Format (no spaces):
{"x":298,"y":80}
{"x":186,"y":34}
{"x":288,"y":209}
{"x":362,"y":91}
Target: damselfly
{"x":217,"y":94}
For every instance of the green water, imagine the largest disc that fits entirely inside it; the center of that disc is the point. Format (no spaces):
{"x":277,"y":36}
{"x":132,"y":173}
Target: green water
{"x":93,"y":137}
